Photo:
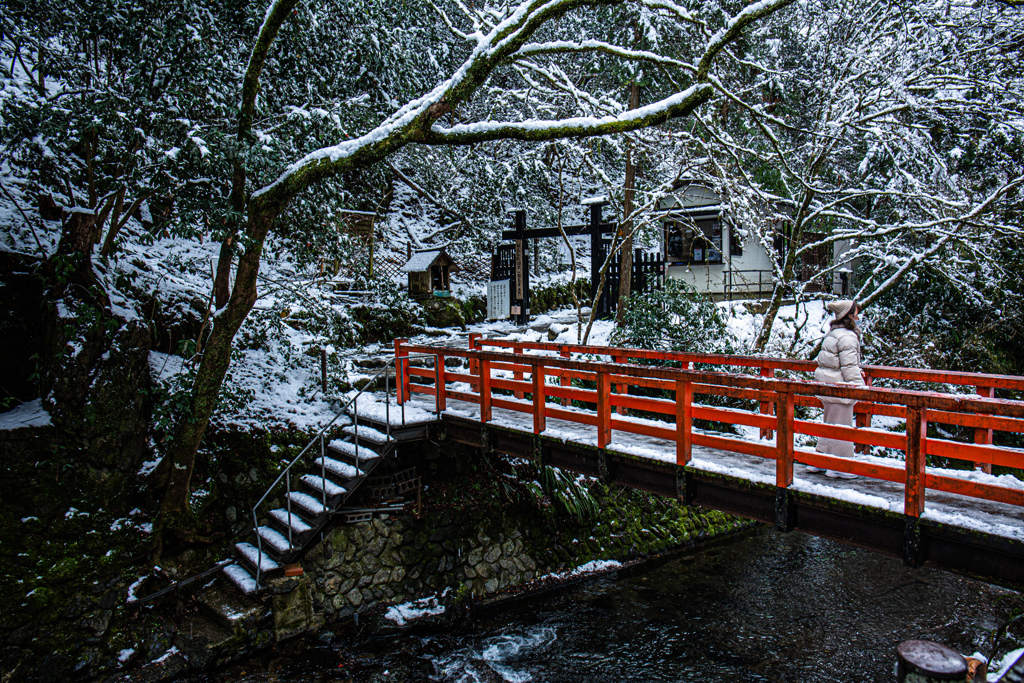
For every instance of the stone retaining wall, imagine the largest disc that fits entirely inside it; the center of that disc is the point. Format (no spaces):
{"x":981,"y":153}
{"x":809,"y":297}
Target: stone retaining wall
{"x":358,"y":568}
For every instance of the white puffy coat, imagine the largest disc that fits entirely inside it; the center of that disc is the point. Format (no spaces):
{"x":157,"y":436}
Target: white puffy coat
{"x":839,"y":359}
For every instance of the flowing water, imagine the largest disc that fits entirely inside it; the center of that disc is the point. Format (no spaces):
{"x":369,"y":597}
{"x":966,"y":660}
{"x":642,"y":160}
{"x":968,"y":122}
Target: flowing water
{"x":760,"y":607}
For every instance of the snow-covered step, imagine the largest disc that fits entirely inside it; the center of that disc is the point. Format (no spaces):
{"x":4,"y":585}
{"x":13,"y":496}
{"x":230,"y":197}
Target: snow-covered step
{"x":326,"y":485}
{"x":297,"y":524}
{"x":255,"y":558}
{"x":339,"y":468}
{"x":275,"y":539}
{"x":241,"y":578}
{"x":349,"y":449}
{"x":368,"y":434}
{"x":308,"y":503}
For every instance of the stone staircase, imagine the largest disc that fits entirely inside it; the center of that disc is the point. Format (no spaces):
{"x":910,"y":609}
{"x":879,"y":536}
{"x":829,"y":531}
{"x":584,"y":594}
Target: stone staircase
{"x":331,"y":479}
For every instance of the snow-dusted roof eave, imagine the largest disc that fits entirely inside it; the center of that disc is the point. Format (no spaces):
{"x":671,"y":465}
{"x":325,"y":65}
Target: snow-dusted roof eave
{"x":421,"y":261}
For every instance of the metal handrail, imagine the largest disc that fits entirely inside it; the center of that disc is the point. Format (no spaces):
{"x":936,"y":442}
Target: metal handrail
{"x":319,"y":437}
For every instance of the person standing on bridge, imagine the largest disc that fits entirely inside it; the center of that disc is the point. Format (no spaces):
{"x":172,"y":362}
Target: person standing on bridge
{"x":839,"y":363}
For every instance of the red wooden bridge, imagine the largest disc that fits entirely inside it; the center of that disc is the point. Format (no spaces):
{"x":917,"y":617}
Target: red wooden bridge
{"x":633,"y":417}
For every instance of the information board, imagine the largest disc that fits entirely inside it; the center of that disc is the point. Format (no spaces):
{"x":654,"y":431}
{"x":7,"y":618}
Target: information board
{"x":498,"y":300}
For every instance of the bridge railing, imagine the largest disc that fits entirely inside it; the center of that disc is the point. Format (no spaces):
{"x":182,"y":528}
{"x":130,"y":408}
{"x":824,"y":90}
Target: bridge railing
{"x":543,"y":386}
{"x":980,"y":383}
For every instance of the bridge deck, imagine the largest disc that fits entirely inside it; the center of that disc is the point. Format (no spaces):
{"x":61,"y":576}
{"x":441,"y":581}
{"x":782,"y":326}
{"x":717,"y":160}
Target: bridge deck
{"x":981,"y":537}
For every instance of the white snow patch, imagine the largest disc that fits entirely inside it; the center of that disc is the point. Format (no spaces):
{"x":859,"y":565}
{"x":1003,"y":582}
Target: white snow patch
{"x":999,"y":667}
{"x":407,"y":611}
{"x":28,"y":414}
{"x":173,"y":650}
{"x":591,"y":567}
{"x":134,"y":587}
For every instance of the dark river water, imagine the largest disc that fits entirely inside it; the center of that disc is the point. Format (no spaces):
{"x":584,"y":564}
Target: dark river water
{"x":760,"y":607}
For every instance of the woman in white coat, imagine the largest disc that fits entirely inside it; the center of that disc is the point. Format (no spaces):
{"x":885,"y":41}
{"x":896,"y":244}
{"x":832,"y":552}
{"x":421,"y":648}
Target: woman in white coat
{"x":839,"y":363}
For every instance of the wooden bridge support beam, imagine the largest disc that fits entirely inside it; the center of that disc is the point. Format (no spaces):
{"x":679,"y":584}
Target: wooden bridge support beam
{"x":684,"y":422}
{"x":604,"y":410}
{"x":539,"y":412}
{"x":862,"y":420}
{"x":912,"y":541}
{"x":917,"y":433}
{"x":984,"y":436}
{"x":401,"y":371}
{"x":564,"y":380}
{"x":784,"y":439}
{"x":765,"y":407}
{"x":684,"y":485}
{"x":474,"y":365}
{"x":785,"y":510}
{"x":485,"y":391}
{"x":517,"y":350}
{"x":621,"y":388}
{"x":440,"y":385}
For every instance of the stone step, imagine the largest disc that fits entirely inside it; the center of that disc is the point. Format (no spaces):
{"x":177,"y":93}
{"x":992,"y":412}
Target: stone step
{"x":253,"y":556}
{"x":339,"y":468}
{"x":368,"y":434}
{"x":346,"y":450}
{"x":308,"y":503}
{"x":275,"y":540}
{"x":323,"y":486}
{"x":241,"y":578}
{"x":298,"y":525}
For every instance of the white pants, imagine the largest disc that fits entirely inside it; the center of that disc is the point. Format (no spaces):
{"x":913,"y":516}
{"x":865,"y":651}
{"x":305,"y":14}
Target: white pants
{"x":837,"y":412}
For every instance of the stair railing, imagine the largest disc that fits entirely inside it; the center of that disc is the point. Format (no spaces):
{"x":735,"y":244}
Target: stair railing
{"x":320,"y":436}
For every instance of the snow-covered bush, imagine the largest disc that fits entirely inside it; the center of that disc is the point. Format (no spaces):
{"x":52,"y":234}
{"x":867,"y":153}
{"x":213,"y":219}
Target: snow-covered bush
{"x":389,"y":315}
{"x":935,"y":322}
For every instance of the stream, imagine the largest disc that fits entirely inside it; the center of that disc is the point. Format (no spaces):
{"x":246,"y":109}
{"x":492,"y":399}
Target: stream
{"x":760,"y":606}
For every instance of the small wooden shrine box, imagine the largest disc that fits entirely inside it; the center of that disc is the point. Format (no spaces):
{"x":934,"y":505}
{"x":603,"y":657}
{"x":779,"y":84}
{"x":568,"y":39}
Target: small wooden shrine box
{"x":430,"y":273}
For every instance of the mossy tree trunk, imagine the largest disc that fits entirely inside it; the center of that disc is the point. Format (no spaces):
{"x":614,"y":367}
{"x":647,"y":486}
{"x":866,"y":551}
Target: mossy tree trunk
{"x":174,"y":515}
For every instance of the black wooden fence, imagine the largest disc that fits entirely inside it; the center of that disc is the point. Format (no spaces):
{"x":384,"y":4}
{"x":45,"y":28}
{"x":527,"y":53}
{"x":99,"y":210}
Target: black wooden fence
{"x":648,"y":276}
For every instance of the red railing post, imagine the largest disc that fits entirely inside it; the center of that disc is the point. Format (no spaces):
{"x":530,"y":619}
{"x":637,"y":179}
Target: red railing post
{"x":401,"y":371}
{"x":539,"y":415}
{"x":621,"y":388}
{"x":474,"y":366}
{"x":517,"y":350}
{"x":485,"y":390}
{"x":862,"y":419}
{"x":766,"y":406}
{"x":684,"y":421}
{"x":784,"y":439}
{"x":917,"y":434}
{"x":604,"y":409}
{"x":981,"y":434}
{"x":564,"y":379}
{"x":440,"y":384}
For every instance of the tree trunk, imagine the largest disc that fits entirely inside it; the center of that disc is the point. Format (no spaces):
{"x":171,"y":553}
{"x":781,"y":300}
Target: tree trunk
{"x":795,"y":238}
{"x":222,"y":283}
{"x":175,"y":516}
{"x":626,"y":228}
{"x":778,"y":294}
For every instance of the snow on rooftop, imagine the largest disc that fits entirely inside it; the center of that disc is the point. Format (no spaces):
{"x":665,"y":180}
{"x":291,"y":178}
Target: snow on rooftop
{"x":420,"y":261}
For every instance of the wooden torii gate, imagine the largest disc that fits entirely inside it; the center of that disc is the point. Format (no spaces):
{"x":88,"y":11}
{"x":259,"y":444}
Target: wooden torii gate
{"x":520,"y":294}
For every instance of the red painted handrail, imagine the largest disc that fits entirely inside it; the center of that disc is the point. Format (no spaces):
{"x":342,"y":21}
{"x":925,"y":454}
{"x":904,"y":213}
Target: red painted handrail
{"x":776,"y":399}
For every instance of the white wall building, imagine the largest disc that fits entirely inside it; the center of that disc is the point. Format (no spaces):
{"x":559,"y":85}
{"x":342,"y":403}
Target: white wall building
{"x":703,"y":247}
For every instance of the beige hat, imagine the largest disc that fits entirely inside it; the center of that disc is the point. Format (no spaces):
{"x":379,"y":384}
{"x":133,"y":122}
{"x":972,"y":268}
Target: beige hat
{"x":840,"y":308}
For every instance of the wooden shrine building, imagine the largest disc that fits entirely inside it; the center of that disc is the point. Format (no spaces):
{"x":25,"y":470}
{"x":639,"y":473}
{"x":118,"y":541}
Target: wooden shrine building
{"x":430,"y":273}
